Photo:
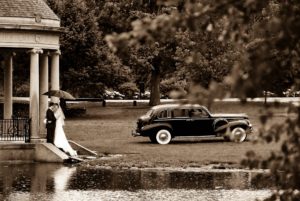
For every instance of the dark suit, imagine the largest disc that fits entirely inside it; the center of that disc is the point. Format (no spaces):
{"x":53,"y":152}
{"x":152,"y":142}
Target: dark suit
{"x":50,"y":125}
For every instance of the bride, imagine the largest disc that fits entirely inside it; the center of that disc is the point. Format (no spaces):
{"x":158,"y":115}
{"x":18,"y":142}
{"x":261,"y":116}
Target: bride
{"x":60,"y":139}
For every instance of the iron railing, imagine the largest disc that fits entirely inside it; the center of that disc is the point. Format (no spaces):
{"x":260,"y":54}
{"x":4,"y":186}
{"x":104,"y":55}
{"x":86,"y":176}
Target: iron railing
{"x":15,"y":129}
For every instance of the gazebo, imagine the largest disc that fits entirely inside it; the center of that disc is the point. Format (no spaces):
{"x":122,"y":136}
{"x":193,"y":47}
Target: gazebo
{"x":32,"y":27}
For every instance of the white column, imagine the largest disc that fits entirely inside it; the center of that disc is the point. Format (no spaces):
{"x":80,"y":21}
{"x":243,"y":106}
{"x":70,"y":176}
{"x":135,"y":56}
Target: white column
{"x":44,"y":80}
{"x":34,"y":94}
{"x":8,"y":87}
{"x":55,"y":73}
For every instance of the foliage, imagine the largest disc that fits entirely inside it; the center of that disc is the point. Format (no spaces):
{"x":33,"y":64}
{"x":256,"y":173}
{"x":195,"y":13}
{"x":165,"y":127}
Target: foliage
{"x":267,"y":32}
{"x":162,"y":43}
{"x":21,"y":73}
{"x":22,"y":89}
{"x":86,"y":65}
{"x":283,"y":165}
{"x":128,"y":89}
{"x":203,"y":57}
{"x":172,"y":84}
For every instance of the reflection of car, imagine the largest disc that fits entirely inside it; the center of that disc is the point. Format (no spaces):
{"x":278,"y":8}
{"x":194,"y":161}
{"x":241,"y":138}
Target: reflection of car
{"x":164,"y":122}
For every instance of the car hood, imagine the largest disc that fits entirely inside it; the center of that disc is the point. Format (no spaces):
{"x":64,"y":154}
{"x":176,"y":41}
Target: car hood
{"x":242,"y":116}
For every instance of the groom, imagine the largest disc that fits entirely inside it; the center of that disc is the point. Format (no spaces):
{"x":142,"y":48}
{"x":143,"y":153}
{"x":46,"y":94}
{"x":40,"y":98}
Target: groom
{"x":50,"y":122}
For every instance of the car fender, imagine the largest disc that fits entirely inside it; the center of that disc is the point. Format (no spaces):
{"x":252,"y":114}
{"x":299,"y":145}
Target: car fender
{"x":240,"y":123}
{"x":231,"y":124}
{"x":224,"y":124}
{"x":157,"y":126}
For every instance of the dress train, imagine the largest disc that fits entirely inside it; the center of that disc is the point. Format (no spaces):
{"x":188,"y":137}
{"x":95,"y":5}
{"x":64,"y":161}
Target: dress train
{"x":60,"y":139}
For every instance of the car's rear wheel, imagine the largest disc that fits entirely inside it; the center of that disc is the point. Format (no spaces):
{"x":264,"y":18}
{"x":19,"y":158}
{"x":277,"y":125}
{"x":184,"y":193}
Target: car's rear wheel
{"x":163,"y":136}
{"x":238,"y":134}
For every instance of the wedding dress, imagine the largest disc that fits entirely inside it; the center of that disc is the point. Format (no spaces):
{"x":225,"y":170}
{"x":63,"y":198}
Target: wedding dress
{"x":60,"y":139}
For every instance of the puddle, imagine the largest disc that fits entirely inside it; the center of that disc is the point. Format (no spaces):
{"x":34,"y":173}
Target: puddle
{"x":58,"y":182}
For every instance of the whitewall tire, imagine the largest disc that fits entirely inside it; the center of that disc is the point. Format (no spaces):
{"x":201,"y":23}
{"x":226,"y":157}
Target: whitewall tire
{"x":163,"y":136}
{"x":238,"y":135}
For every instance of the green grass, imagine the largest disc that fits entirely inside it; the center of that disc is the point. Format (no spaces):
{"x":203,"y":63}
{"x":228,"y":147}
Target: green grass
{"x":108,"y":130}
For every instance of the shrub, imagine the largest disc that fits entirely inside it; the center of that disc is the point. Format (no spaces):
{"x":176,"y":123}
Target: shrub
{"x":128,"y":89}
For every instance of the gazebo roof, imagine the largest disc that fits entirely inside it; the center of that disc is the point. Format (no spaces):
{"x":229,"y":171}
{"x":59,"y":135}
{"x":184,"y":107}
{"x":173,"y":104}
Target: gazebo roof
{"x":28,"y":24}
{"x":26,"y":9}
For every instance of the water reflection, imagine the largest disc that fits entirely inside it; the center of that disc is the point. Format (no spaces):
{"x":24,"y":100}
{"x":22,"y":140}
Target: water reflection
{"x":134,"y":179}
{"x":31,"y":177}
{"x":61,"y":177}
{"x":57,"y":182}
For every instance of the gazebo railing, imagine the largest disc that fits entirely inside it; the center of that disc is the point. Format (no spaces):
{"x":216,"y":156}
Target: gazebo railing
{"x":15,"y":129}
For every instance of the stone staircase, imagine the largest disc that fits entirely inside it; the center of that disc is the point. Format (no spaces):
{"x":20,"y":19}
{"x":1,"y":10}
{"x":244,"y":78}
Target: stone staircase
{"x":42,"y":152}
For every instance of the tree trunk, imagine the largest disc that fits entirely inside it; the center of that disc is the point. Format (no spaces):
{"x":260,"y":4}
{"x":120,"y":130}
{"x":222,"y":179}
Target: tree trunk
{"x":155,"y":88}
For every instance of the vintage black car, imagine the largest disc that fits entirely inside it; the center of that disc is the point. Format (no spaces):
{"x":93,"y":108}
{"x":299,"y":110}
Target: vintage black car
{"x":164,"y":122}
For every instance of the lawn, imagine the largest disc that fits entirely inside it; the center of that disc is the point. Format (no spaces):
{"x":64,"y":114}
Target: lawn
{"x":107,"y":130}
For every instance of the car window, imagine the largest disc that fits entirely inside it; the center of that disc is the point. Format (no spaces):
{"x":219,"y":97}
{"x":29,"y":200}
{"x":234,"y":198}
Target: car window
{"x":197,"y":112}
{"x":163,"y":114}
{"x":179,"y":113}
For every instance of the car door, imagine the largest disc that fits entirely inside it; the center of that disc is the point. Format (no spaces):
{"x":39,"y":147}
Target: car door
{"x":200,"y":122}
{"x":179,"y":119}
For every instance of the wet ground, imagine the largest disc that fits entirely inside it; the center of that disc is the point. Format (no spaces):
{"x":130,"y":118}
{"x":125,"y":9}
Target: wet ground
{"x":60,"y":182}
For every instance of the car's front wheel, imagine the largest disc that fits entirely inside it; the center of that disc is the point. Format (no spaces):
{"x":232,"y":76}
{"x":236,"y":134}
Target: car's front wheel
{"x":163,"y":136}
{"x":238,"y":135}
{"x":153,"y":138}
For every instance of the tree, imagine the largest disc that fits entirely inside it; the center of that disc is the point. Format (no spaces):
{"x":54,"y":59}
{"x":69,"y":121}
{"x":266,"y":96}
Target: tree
{"x":146,"y":54}
{"x":160,"y":44}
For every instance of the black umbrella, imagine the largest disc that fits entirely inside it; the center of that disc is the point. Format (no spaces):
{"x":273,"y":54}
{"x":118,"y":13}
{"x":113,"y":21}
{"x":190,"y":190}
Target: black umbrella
{"x":59,"y":94}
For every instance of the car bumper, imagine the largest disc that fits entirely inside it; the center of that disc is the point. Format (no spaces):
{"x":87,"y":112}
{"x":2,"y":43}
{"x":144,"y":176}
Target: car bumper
{"x":249,"y":129}
{"x":135,"y":133}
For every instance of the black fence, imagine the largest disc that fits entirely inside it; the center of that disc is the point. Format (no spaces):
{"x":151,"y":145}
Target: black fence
{"x":15,"y":129}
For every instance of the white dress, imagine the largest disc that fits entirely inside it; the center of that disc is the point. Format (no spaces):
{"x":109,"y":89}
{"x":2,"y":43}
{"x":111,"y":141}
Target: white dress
{"x":60,"y":139}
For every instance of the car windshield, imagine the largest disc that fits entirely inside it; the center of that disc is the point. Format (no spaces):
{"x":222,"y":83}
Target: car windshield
{"x":149,"y":113}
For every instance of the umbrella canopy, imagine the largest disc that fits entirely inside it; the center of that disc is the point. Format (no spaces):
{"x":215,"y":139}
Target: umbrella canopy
{"x":60,"y":94}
